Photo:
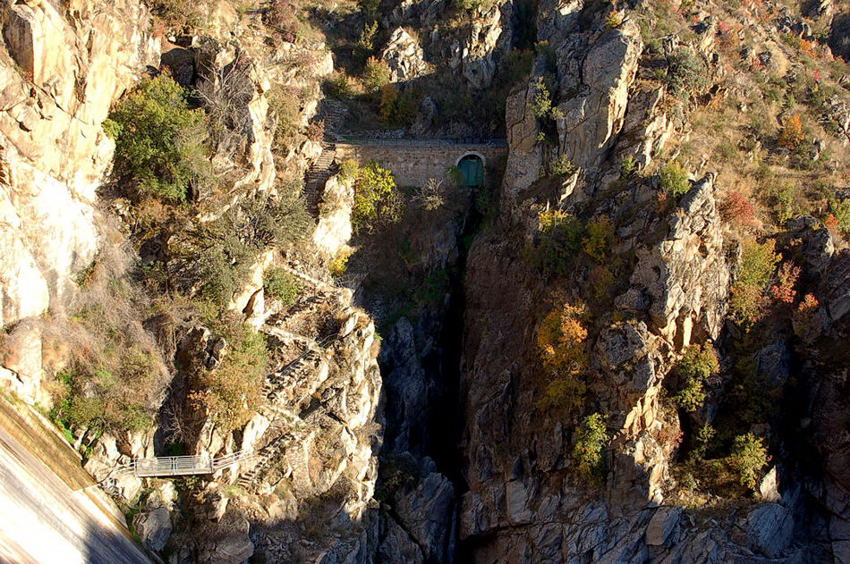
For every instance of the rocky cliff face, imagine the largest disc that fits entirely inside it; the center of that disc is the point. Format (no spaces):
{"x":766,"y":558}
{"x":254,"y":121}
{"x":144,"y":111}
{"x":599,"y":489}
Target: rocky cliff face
{"x":677,"y":265}
{"x":62,"y":70}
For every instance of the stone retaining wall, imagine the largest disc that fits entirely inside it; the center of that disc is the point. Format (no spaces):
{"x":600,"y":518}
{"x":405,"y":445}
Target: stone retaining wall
{"x":414,"y":162}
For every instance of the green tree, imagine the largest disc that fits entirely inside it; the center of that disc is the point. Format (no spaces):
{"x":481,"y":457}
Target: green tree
{"x":376,"y":75}
{"x":591,"y":438}
{"x":748,"y":457}
{"x":758,"y":262}
{"x":375,"y":197}
{"x":560,"y":238}
{"x":158,"y":139}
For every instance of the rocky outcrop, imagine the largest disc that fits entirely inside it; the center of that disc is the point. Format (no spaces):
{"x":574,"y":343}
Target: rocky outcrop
{"x":60,"y":78}
{"x":682,"y":281}
{"x":590,"y":121}
{"x":404,"y":56}
{"x":334,"y":229}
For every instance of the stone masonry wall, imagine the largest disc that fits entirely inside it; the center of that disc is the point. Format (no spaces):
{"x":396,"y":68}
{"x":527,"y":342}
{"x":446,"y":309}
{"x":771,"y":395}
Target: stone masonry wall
{"x":414,"y":162}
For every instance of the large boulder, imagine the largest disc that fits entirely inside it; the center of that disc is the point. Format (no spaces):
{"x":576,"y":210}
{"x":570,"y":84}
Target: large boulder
{"x":154,"y":528}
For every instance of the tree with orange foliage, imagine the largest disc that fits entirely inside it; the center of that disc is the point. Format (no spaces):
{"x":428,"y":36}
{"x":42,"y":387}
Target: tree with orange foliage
{"x":793,"y":133}
{"x":562,"y":342}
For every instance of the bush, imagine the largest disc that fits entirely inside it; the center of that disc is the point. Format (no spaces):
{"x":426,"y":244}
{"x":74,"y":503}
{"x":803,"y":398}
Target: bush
{"x":840,"y":210}
{"x":674,"y":179}
{"x":398,"y":107}
{"x":562,"y":343}
{"x":737,"y":208}
{"x":339,"y":86}
{"x":561,"y":166}
{"x":339,"y":265}
{"x":694,"y":368}
{"x":375,"y":198}
{"x":686,"y":74}
{"x":282,"y":285}
{"x":600,"y":237}
{"x":376,"y":75}
{"x":475,"y":5}
{"x":157,"y":138}
{"x":783,"y":291}
{"x":748,"y":458}
{"x":432,"y":196}
{"x":366,"y":42}
{"x":542,"y":104}
{"x":590,"y":443}
{"x":758,"y":262}
{"x":560,"y":239}
{"x":178,"y":13}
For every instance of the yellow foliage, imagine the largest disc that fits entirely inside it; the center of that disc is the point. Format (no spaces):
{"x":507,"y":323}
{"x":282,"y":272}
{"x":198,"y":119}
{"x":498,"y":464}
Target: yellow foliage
{"x":561,"y":340}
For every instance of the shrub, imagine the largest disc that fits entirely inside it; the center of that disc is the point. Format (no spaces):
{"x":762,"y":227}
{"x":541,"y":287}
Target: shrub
{"x":629,"y":166}
{"x":282,"y":285}
{"x":178,"y":13}
{"x":694,"y":368}
{"x":376,"y":75}
{"x":560,"y":239}
{"x":793,"y":133}
{"x":758,"y":261}
{"x":674,"y":179}
{"x":432,"y":196}
{"x":703,"y":440}
{"x":366,"y":42}
{"x":339,"y":86}
{"x":157,"y":139}
{"x":339,"y":265}
{"x":398,"y":107}
{"x":840,"y":210}
{"x":561,"y":166}
{"x":591,"y":438}
{"x":600,"y":237}
{"x":783,"y":291}
{"x":542,"y":105}
{"x":375,"y":197}
{"x":748,"y":457}
{"x":737,"y":208}
{"x":475,"y":5}
{"x":686,"y":73}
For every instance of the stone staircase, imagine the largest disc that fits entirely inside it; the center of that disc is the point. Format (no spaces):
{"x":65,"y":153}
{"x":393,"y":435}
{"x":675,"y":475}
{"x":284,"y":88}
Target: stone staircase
{"x":334,"y":113}
{"x":291,"y":372}
{"x":317,"y":176}
{"x":265,"y":458}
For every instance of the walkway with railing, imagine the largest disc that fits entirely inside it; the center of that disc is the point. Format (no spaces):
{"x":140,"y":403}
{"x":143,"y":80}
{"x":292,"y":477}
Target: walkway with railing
{"x":184,"y":465}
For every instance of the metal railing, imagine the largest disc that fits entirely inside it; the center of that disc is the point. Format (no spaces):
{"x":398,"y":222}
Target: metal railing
{"x":184,"y":465}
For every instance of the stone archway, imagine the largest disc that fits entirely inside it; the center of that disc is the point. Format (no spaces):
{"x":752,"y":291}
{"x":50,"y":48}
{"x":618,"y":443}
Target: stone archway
{"x":471,"y":167}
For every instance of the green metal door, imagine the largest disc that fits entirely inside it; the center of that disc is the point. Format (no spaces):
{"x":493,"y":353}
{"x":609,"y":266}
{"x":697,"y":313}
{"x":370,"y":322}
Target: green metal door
{"x":471,"y":170}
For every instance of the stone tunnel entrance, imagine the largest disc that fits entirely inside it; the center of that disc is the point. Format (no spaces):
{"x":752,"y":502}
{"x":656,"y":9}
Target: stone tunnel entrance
{"x":471,"y":168}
